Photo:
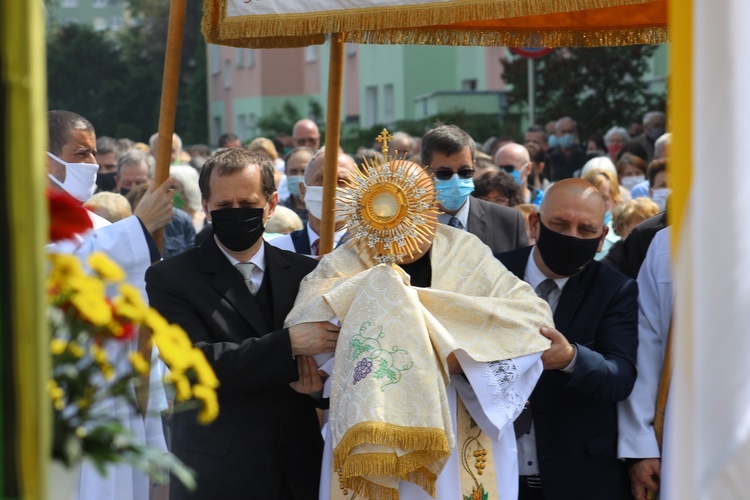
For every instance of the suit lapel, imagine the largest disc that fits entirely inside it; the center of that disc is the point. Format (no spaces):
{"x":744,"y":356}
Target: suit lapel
{"x":572,"y":298}
{"x":476,"y":219}
{"x":228,"y":282}
{"x":281,"y":297}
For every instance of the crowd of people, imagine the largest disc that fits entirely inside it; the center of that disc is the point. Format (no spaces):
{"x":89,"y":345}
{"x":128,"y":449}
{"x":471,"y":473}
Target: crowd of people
{"x":569,"y":223}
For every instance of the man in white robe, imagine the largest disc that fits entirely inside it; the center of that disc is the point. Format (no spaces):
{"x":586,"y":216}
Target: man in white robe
{"x":72,"y":168}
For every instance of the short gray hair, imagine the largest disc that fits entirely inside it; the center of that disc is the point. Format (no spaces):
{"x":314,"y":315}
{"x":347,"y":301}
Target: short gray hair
{"x":616,"y":131}
{"x":651,"y":114}
{"x":136,"y":157}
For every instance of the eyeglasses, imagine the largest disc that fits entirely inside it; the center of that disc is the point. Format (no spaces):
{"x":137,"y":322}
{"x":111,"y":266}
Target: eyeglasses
{"x":464,"y":173}
{"x":508,"y":168}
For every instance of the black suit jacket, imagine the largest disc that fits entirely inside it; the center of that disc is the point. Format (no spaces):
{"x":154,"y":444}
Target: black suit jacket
{"x":575,"y":416}
{"x":500,"y":228}
{"x":266,"y":432}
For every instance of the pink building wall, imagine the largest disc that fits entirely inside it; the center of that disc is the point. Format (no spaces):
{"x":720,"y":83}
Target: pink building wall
{"x":494,"y":67}
{"x":351,"y":81}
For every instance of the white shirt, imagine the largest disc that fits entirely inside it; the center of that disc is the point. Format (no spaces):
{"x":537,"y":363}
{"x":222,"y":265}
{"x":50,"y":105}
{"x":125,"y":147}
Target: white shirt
{"x":462,"y":215}
{"x":259,"y":259}
{"x":528,"y":464}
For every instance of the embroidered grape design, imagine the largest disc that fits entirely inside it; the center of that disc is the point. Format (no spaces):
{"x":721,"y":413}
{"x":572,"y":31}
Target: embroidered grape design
{"x":364,"y":366}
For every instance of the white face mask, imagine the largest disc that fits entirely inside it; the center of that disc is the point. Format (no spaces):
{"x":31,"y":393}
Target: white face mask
{"x":80,"y":178}
{"x":630,"y":182}
{"x":314,"y":203}
{"x":659,"y":196}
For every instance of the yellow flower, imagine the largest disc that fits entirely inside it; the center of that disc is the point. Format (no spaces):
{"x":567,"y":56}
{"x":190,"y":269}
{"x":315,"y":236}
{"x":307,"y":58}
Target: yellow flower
{"x":81,"y":432}
{"x":203,"y":370}
{"x":107,"y":371}
{"x":139,"y":364}
{"x":94,"y":309}
{"x":76,"y":350}
{"x":155,"y":321}
{"x":131,"y":303}
{"x":210,"y":409}
{"x":86,"y":285}
{"x":57,"y":395}
{"x":99,"y":354}
{"x":181,"y":384}
{"x":105,"y":267}
{"x":58,"y":346}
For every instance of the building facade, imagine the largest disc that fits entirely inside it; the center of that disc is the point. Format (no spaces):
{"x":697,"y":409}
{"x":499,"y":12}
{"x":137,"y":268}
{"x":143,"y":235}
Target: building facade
{"x":102,"y":15}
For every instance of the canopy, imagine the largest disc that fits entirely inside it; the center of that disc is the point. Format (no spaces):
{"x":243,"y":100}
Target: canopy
{"x":527,"y":23}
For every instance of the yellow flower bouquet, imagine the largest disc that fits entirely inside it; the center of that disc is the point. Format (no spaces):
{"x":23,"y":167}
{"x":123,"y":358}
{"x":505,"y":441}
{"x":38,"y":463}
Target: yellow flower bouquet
{"x":95,"y":317}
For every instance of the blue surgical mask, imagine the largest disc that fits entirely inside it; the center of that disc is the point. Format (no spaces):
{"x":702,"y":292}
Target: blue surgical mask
{"x":552,"y":141}
{"x":607,"y":217}
{"x":516,"y":174}
{"x":292,"y":183}
{"x":452,"y":193}
{"x":567,"y":141}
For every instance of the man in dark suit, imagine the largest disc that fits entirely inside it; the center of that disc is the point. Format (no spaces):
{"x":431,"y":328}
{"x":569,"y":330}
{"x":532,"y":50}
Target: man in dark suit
{"x":448,"y":153}
{"x":232,"y":295}
{"x":567,"y":439}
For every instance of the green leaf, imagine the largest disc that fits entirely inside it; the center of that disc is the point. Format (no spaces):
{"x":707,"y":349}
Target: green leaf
{"x":359,"y":348}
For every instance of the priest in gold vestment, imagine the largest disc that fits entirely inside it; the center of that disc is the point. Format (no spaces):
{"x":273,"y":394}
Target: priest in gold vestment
{"x":438,"y":352}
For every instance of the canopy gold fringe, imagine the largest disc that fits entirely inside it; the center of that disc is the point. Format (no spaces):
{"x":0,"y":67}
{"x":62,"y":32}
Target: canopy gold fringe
{"x":483,"y":38}
{"x":593,"y":38}
{"x":221,"y":29}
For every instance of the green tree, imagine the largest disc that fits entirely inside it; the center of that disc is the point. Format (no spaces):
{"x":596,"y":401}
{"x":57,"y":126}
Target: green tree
{"x":86,"y":75}
{"x":598,"y":87}
{"x":278,"y":121}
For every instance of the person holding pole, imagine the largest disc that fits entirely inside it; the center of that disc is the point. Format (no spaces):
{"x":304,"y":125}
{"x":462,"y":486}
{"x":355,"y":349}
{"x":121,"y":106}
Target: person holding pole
{"x":639,"y":442}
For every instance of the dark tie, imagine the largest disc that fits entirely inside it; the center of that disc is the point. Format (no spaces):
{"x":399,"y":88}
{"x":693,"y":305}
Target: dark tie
{"x":315,"y":247}
{"x":246,"y":270}
{"x":522,"y":425}
{"x":455,"y":222}
{"x":545,"y":288}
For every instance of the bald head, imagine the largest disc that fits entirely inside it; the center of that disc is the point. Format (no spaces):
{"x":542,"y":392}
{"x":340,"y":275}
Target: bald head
{"x":574,"y":199}
{"x":306,"y":133}
{"x":514,"y":159}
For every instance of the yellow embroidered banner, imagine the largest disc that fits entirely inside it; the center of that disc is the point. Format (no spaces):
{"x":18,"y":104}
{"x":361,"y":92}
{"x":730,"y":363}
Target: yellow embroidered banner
{"x":296,"y":23}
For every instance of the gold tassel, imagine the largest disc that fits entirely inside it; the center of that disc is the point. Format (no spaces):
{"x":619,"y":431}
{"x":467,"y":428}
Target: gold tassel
{"x":370,"y":490}
{"x":247,"y":30}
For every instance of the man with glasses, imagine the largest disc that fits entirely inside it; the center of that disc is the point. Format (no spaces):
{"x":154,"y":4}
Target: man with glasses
{"x":514,"y":159}
{"x":449,"y":152}
{"x":305,"y":133}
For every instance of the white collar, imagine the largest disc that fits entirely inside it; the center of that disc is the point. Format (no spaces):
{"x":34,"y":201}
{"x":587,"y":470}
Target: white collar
{"x":462,"y":215}
{"x":312,"y":235}
{"x":533,"y":275}
{"x":259,"y":259}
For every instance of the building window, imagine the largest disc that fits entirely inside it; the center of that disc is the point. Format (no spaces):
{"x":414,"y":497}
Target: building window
{"x":311,"y":53}
{"x":69,"y":3}
{"x":99,"y":24}
{"x":388,"y":103}
{"x":251,"y":125}
{"x":239,"y":61}
{"x":100,"y":3}
{"x":227,"y":74}
{"x":218,"y":129}
{"x":249,"y":57}
{"x":469,"y":85}
{"x":115,"y":23}
{"x":242,"y":127}
{"x":351,"y":49}
{"x":215,"y":56}
{"x":371,"y":106}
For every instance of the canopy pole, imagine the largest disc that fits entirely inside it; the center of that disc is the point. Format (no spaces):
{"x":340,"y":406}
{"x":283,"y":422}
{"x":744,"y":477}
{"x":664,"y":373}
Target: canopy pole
{"x":333,"y":133}
{"x":169,"y":88}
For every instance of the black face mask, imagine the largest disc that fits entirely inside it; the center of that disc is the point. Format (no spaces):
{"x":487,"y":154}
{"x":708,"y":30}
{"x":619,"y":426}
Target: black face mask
{"x":237,"y":228}
{"x":565,"y":255}
{"x":124,"y":191}
{"x":106,"y":182}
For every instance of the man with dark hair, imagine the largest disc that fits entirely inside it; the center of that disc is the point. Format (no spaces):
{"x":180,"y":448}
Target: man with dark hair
{"x":229,"y":140}
{"x":567,"y":439}
{"x":449,"y":153}
{"x":108,"y":151}
{"x":231,"y":295}
{"x":536,"y":138}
